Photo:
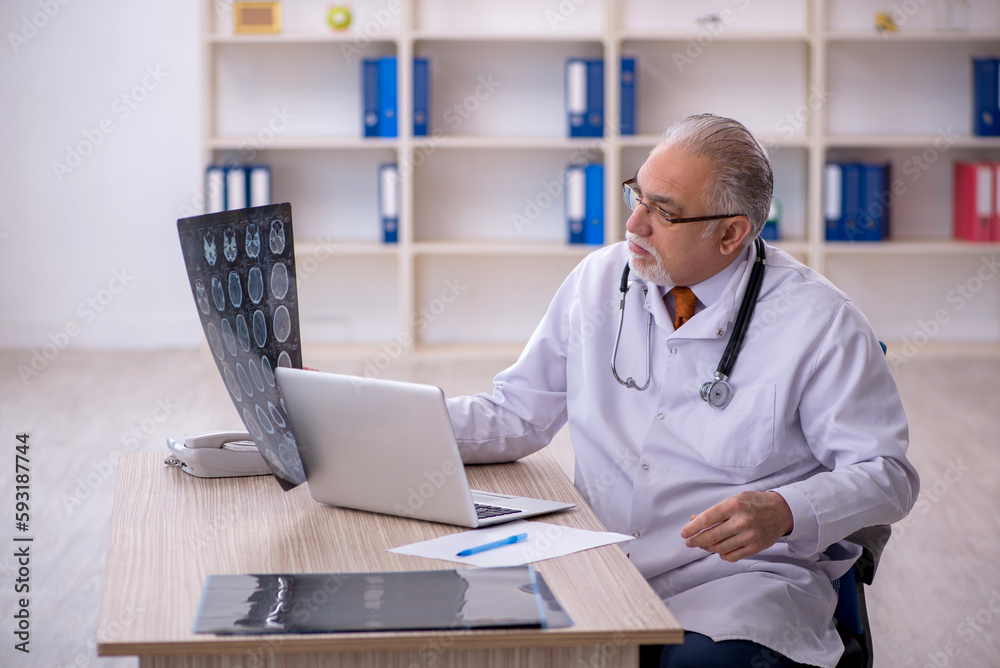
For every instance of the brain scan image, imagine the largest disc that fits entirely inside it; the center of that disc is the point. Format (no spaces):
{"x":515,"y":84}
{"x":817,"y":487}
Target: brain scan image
{"x":251,"y":422}
{"x":279,"y":281}
{"x":265,"y":369}
{"x":244,"y":380}
{"x":235,"y":289}
{"x":253,"y":240}
{"x":242,"y":333}
{"x":218,"y":295}
{"x":277,"y":237}
{"x":234,"y":389}
{"x":275,"y":414}
{"x":282,"y":324}
{"x":248,"y":306}
{"x":227,"y":336}
{"x":255,"y":285}
{"x":259,"y":328}
{"x":288,"y":452}
{"x":264,"y":421}
{"x":210,"y":255}
{"x":214,"y":341}
{"x":258,"y":380}
{"x":229,"y":244}
{"x":201,"y":296}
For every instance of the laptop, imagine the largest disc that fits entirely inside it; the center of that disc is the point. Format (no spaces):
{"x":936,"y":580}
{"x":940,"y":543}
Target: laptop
{"x":388,"y":447}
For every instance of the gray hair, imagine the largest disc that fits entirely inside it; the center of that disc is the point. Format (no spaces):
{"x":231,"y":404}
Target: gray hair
{"x":742,"y":180}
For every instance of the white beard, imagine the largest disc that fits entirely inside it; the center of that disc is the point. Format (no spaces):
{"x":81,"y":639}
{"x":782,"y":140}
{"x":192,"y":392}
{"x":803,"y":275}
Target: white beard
{"x":639,"y":266}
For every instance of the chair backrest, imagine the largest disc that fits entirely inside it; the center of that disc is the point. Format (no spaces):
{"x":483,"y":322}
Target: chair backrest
{"x":851,"y":613}
{"x":852,"y":622}
{"x":848,"y":612}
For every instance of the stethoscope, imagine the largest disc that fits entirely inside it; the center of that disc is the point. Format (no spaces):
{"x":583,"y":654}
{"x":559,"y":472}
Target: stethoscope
{"x":717,"y":391}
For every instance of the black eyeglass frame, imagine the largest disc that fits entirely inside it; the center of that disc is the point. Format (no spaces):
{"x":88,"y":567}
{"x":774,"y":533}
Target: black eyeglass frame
{"x":627,"y":189}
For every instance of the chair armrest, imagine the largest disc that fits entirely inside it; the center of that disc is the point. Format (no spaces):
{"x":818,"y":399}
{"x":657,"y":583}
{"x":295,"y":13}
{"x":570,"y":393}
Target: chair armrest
{"x":872,"y":540}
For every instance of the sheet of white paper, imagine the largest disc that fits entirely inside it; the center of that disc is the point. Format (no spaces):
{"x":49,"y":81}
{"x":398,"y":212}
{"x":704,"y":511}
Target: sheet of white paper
{"x":545,"y":541}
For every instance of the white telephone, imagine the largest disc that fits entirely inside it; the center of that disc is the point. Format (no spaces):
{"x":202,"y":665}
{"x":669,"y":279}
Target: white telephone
{"x":217,"y":454}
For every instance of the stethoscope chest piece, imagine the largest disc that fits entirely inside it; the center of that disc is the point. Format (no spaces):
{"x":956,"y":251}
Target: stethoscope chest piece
{"x":717,"y":392}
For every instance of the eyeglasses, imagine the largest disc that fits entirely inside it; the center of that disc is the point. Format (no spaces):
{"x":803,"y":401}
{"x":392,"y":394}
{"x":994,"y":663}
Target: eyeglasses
{"x":632,"y":200}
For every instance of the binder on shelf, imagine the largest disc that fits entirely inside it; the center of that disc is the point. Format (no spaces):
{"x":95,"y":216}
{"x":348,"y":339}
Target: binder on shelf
{"x":593,"y":228}
{"x":850,"y":227}
{"x":576,"y":96}
{"x":770,"y":230}
{"x":421,"y":96}
{"x":369,"y":97}
{"x":215,"y":189}
{"x":260,"y":185}
{"x":387,"y":125}
{"x":595,"y":98}
{"x":975,"y":201}
{"x":628,"y":95}
{"x":873,"y":216}
{"x":388,"y":202}
{"x":986,"y":96}
{"x":855,"y":201}
{"x":833,"y":199}
{"x":995,"y":220}
{"x":236,"y":188}
{"x":576,"y":202}
{"x":843,"y":206}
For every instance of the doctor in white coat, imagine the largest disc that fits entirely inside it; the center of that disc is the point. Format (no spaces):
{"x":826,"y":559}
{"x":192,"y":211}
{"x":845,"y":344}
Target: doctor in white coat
{"x":737,"y":509}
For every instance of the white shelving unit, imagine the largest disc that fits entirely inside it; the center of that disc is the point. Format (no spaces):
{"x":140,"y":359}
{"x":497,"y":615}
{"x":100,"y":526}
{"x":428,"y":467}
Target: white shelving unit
{"x":812,"y":79}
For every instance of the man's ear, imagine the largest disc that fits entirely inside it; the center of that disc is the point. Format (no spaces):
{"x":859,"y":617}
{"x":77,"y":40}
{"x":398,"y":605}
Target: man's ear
{"x":735,"y":232}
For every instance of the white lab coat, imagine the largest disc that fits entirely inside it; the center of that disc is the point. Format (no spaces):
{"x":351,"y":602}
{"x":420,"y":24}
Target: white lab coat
{"x":815,"y":416}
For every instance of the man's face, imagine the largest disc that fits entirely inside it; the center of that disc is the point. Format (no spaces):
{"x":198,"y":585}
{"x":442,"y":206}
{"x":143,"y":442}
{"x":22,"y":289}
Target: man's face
{"x":673,"y":254}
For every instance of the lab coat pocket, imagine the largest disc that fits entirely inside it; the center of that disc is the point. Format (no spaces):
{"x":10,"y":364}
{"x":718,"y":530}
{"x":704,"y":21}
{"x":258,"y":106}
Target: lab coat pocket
{"x":742,"y":434}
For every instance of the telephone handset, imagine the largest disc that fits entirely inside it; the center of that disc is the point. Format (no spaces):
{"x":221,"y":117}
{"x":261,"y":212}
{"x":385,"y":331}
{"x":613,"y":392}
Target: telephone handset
{"x":217,"y":454}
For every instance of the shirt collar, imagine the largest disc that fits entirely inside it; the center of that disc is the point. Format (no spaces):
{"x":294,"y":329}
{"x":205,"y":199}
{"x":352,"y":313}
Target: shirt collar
{"x":719,"y":291}
{"x":710,"y":290}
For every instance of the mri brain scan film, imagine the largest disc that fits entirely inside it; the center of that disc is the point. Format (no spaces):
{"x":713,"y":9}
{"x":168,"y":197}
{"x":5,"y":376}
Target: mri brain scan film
{"x":250,"y":336}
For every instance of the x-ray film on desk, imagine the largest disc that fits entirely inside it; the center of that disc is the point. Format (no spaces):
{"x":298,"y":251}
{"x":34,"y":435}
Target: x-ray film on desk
{"x":467,"y":598}
{"x":241,"y":266}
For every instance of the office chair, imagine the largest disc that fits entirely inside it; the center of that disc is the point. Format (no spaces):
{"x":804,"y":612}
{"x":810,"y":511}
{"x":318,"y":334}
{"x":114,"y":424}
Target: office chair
{"x":851,"y":614}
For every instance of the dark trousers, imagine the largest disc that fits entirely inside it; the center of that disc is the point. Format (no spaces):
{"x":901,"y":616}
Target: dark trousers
{"x":699,"y":651}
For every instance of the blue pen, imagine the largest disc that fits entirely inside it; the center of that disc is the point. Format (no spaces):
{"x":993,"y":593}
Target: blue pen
{"x":510,"y":540}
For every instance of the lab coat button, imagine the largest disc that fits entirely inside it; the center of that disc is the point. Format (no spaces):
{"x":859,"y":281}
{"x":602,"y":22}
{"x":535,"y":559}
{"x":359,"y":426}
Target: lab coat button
{"x":659,"y":416}
{"x":645,"y":467}
{"x":673,"y":351}
{"x":635,"y":534}
{"x":720,"y":332}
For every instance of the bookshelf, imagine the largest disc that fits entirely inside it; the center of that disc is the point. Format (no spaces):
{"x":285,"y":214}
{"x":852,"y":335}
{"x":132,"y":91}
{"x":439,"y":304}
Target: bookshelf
{"x":813,"y":80}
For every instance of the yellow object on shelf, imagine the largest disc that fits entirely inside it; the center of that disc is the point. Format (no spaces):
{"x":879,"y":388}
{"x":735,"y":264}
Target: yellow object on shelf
{"x":257,"y":18}
{"x":885,"y":23}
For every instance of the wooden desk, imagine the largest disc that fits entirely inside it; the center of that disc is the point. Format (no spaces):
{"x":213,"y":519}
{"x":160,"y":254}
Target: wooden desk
{"x":170,"y":530}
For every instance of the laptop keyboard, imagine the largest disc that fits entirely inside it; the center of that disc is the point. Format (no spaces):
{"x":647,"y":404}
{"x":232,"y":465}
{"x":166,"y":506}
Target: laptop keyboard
{"x":484,"y":511}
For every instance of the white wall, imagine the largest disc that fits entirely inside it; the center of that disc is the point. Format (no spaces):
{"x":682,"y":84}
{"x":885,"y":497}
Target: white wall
{"x":89,"y":253}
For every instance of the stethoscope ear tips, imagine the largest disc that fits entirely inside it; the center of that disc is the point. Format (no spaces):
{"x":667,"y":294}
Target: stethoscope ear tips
{"x":717,"y":393}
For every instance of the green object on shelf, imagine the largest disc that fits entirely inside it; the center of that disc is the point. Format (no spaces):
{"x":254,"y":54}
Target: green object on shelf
{"x":339,"y":17}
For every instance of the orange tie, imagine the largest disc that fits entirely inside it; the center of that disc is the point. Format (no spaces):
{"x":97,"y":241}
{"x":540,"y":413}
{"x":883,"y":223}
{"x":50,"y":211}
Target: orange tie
{"x":684,"y":303}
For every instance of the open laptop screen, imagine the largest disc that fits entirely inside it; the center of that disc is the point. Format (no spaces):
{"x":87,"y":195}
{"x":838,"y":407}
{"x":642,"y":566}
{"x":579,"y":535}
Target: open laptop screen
{"x":241,"y":266}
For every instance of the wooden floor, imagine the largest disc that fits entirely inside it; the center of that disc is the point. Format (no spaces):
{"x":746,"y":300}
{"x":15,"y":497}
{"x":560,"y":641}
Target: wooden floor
{"x":935,"y":602}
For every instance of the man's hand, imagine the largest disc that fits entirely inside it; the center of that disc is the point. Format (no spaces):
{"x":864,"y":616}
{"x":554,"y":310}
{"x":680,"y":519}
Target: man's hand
{"x":740,"y":526}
